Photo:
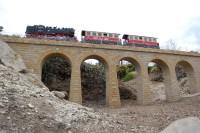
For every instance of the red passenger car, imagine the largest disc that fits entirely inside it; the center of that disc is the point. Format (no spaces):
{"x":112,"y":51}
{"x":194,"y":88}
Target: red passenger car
{"x":100,"y":37}
{"x":140,"y":41}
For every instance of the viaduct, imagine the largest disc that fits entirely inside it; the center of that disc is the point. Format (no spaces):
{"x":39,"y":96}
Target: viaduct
{"x":35,"y":52}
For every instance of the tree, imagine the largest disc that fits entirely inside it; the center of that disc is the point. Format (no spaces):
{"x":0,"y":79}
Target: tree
{"x":1,"y":28}
{"x":172,"y":45}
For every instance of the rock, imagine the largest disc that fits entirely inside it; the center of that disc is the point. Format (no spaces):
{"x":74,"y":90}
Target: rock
{"x":158,"y":91}
{"x":3,"y":131}
{"x":156,"y":76}
{"x":186,"y":125}
{"x":180,"y":72}
{"x":60,"y":94}
{"x":128,"y":90}
{"x":1,"y":105}
{"x":196,"y":95}
{"x":93,"y":82}
{"x":69,"y":131}
{"x":30,"y":106}
{"x":10,"y":58}
{"x":184,"y":86}
{"x":126,"y":93}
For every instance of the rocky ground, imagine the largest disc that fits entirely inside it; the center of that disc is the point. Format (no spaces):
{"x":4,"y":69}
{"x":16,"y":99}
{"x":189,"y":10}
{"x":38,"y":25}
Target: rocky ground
{"x":153,"y":118}
{"x":28,"y":106}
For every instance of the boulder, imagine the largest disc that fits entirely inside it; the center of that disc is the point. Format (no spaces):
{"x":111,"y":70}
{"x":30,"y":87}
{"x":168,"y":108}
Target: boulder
{"x":186,"y":125}
{"x":60,"y":94}
{"x":184,"y":86}
{"x":128,"y":90}
{"x":158,"y":91}
{"x":10,"y":58}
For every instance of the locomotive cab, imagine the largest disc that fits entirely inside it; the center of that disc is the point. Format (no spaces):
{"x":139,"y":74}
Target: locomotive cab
{"x":83,"y":33}
{"x":125,"y":39}
{"x":82,"y":36}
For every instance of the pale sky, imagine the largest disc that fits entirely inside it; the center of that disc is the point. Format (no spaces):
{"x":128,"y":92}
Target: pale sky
{"x":165,"y":19}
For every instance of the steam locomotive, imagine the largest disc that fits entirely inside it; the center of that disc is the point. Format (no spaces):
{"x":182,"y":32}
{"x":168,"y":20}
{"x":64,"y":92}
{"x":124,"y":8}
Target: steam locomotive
{"x":54,"y":33}
{"x":94,"y":37}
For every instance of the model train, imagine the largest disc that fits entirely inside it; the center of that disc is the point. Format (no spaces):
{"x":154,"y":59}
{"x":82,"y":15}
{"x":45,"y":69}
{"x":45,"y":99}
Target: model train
{"x":54,"y":33}
{"x":94,"y":37}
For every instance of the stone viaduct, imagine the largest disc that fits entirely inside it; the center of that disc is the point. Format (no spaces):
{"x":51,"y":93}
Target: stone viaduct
{"x":35,"y":52}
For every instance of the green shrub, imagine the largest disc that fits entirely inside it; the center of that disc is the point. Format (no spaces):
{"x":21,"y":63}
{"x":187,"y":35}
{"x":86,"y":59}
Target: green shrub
{"x":129,"y":76}
{"x":130,"y":67}
{"x":124,"y":70}
{"x":153,"y":69}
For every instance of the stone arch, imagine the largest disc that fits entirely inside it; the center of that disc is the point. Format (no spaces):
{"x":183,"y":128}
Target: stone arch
{"x":41,"y":58}
{"x":102,"y":60}
{"x":95,"y":56}
{"x":163,"y":65}
{"x":165,"y":70}
{"x":49,"y":55}
{"x":189,"y":71}
{"x":132,"y":60}
{"x":137,"y":86}
{"x":56,"y":72}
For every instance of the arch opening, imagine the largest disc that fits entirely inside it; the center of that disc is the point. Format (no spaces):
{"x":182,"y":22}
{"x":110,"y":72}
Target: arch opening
{"x":93,"y":81}
{"x":185,"y":77}
{"x":56,"y":74}
{"x":129,"y":76}
{"x":159,"y":76}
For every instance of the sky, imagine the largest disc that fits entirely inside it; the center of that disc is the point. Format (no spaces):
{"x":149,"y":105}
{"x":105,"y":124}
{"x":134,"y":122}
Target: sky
{"x":178,"y":20}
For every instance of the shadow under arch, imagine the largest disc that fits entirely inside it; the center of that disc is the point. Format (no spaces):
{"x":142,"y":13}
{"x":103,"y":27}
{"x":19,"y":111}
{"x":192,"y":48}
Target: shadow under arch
{"x":189,"y":71}
{"x":56,"y":72}
{"x":165,"y":75}
{"x":137,"y":79}
{"x":163,"y":65}
{"x":54,"y":54}
{"x":104,"y":91}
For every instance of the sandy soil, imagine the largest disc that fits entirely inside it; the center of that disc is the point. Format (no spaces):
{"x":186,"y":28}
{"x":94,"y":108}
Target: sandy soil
{"x":151,"y":118}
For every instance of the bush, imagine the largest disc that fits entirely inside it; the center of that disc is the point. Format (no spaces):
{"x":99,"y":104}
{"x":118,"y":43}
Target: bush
{"x":129,"y":76}
{"x":1,"y":28}
{"x":124,"y":70}
{"x":153,"y":69}
{"x":130,"y":68}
